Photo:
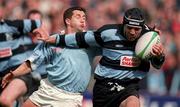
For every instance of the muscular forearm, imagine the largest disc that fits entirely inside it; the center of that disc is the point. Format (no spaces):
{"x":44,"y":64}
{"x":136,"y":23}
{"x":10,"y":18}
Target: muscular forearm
{"x":22,"y":69}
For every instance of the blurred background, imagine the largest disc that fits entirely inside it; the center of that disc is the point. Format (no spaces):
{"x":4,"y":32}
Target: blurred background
{"x":160,"y":88}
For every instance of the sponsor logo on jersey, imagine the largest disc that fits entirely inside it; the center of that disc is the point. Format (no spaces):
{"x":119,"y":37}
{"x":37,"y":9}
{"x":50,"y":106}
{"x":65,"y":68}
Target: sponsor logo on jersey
{"x":5,"y":52}
{"x":129,"y":61}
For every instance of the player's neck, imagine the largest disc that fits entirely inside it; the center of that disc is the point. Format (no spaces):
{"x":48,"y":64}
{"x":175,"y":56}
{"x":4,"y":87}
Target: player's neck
{"x":71,"y":30}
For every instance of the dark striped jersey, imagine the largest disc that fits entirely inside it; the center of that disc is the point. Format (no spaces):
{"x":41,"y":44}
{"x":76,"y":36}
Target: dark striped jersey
{"x":118,"y":57}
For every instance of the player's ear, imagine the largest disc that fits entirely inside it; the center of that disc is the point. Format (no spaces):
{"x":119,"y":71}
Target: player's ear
{"x":67,"y":21}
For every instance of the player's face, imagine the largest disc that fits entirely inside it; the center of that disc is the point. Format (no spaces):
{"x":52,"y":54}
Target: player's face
{"x":78,"y":21}
{"x":132,"y":32}
{"x":35,"y":17}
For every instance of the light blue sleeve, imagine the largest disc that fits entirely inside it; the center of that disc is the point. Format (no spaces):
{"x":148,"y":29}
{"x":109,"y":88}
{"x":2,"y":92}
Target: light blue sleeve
{"x":41,"y":54}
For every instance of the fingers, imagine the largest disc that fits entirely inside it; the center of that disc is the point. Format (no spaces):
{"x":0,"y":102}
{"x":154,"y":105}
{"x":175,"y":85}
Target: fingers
{"x":158,"y":31}
{"x":6,"y":79}
{"x":41,"y":34}
{"x":37,"y":32}
{"x":157,"y":50}
{"x":4,"y":82}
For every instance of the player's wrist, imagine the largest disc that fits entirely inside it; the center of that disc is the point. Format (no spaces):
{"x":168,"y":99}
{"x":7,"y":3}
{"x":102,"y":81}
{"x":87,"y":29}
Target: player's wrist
{"x":51,"y":40}
{"x":161,"y":56}
{"x":11,"y":74}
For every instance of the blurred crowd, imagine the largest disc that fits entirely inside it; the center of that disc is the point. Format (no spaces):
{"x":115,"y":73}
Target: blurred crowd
{"x":163,"y":14}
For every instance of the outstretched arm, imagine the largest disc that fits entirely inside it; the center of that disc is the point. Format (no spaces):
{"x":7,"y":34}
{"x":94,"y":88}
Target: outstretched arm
{"x":77,"y":40}
{"x":21,"y":70}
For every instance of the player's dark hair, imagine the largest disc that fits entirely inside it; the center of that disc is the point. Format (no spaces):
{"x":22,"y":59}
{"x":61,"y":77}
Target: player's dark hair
{"x":69,"y":12}
{"x":34,"y":11}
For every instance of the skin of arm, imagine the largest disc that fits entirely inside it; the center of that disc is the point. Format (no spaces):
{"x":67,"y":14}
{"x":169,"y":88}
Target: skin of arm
{"x":24,"y":68}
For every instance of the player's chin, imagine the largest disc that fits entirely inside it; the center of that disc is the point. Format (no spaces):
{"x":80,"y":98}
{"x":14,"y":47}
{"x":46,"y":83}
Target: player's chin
{"x":82,"y":29}
{"x":131,"y":39}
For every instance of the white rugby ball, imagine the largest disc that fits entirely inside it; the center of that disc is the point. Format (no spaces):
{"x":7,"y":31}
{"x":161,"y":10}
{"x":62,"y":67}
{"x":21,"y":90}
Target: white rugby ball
{"x":144,"y":44}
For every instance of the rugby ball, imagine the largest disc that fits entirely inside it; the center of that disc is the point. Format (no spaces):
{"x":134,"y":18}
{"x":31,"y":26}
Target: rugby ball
{"x":144,"y":44}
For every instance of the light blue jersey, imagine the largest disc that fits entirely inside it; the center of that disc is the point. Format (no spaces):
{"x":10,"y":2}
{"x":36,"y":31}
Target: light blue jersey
{"x":68,"y":69}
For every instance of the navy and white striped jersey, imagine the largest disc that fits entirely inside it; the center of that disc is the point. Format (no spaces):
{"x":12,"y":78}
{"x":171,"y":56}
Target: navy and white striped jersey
{"x":17,"y":27}
{"x":118,"y":57}
{"x":15,"y":45}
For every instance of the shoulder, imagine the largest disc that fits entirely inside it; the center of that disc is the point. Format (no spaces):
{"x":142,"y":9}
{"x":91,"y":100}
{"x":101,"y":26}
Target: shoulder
{"x":44,"y":49}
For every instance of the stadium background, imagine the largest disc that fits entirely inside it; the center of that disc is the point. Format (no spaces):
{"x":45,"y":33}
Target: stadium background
{"x":161,"y":88}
